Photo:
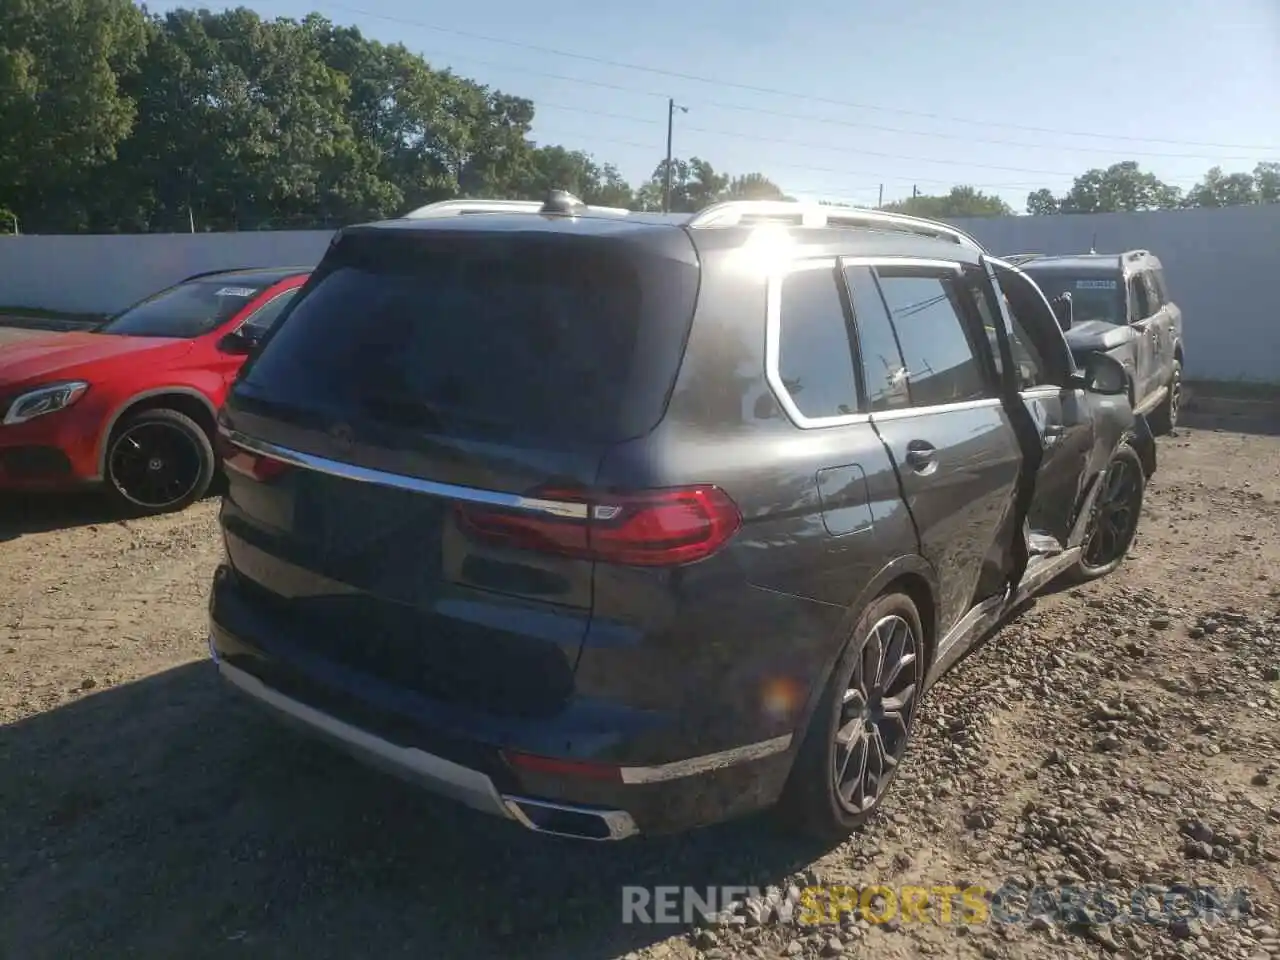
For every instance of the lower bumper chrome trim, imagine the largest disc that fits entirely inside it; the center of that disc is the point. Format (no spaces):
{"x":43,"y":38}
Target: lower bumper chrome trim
{"x":707,"y":762}
{"x":437,"y":774}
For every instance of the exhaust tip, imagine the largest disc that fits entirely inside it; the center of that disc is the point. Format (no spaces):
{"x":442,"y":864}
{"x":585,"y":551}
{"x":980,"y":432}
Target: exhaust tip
{"x":563,"y":820}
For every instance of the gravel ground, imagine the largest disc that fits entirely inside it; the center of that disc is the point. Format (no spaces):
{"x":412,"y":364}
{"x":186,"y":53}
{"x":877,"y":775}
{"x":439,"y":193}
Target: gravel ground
{"x":1122,"y":733}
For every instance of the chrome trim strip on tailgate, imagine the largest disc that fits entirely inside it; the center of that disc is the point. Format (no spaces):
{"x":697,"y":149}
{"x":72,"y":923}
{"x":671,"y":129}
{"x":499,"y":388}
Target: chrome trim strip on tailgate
{"x":350,"y":471}
{"x":467,"y":786}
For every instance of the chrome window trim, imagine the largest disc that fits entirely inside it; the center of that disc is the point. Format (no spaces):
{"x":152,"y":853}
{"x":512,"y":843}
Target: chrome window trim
{"x":905,"y":413}
{"x":351,"y":471}
{"x":925,"y":263}
{"x":773,"y":341}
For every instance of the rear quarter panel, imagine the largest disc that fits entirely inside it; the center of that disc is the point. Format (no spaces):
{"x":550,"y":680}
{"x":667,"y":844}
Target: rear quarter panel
{"x":735,"y":648}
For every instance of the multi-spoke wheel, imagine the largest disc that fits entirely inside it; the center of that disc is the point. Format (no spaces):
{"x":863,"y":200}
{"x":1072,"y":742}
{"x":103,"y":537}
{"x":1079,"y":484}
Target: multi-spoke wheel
{"x":158,"y":461}
{"x":858,"y":734}
{"x":1116,"y":512}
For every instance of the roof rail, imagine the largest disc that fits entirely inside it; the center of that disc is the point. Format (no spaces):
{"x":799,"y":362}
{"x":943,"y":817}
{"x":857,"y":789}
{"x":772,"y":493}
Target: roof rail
{"x":734,"y":212}
{"x":455,"y":208}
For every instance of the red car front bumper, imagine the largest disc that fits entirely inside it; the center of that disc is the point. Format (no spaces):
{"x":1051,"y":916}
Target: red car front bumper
{"x":57,"y":451}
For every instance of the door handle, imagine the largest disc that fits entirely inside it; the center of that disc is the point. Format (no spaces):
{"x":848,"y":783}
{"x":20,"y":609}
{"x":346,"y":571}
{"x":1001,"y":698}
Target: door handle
{"x":1052,"y":434}
{"x":921,"y":456}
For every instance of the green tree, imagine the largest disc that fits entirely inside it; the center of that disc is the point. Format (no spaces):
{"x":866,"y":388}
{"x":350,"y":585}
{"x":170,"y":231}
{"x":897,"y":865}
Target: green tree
{"x":1120,"y":187}
{"x":962,"y":201}
{"x":62,"y":113}
{"x":1218,"y":189}
{"x":1266,"y":180}
{"x":694,"y":185}
{"x":556,"y":168}
{"x":1042,"y":202}
{"x":753,"y":186}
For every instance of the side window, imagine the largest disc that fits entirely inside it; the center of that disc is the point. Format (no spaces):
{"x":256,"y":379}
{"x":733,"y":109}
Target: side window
{"x":264,"y":319}
{"x":942,"y":364}
{"x":1138,"y":308}
{"x":989,"y":315}
{"x":883,"y":372}
{"x":1155,"y":297}
{"x":1030,"y":366}
{"x":815,"y":360}
{"x":1158,"y":273}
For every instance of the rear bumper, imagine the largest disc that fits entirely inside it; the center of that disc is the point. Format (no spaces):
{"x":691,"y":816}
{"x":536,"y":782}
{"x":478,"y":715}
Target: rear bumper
{"x":437,"y":774}
{"x":455,"y":752}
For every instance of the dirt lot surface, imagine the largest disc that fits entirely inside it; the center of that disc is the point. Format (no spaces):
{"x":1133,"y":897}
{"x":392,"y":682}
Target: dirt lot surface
{"x":1123,"y":733}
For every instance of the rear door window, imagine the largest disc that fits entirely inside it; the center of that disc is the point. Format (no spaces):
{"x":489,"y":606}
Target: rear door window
{"x":526,"y":337}
{"x":941,"y":356}
{"x":883,"y":371}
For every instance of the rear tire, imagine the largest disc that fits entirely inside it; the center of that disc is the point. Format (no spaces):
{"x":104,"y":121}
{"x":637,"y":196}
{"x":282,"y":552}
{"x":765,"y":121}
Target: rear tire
{"x":1165,"y":417}
{"x":158,"y":461}
{"x":1116,"y":514}
{"x":858,"y":734}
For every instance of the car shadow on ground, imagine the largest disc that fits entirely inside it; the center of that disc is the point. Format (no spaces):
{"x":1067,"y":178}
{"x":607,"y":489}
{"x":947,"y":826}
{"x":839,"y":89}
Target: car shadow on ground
{"x":168,"y":818}
{"x":22,"y":513}
{"x":25,"y":513}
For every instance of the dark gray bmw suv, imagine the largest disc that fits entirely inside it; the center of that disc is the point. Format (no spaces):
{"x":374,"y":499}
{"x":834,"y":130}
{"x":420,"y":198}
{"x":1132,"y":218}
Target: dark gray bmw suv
{"x":616,"y":523}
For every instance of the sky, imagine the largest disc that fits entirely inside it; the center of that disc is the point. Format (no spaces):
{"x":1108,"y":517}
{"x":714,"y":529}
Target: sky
{"x":835,"y":99}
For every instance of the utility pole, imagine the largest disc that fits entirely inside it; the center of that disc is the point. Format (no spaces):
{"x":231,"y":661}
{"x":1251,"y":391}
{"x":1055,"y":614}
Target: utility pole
{"x":666,"y":184}
{"x":915,"y":191}
{"x":880,"y":202}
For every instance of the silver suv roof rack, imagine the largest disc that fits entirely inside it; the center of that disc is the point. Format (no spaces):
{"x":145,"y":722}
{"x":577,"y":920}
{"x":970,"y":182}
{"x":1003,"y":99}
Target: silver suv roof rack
{"x":732,"y":213}
{"x":456,"y":208}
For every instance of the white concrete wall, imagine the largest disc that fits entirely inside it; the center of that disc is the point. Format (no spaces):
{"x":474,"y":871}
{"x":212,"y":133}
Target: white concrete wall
{"x":104,"y":273}
{"x":1222,"y":268}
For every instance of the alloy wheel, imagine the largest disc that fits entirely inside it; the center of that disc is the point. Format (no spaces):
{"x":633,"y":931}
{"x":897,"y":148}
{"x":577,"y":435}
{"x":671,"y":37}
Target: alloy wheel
{"x":155,"y":465}
{"x":1115,"y":517}
{"x":875,"y":714}
{"x":1175,"y":396}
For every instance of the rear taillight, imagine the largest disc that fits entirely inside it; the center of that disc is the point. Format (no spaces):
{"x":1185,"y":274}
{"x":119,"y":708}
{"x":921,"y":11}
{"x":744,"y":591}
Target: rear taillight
{"x":657,"y":528}
{"x":255,"y":466}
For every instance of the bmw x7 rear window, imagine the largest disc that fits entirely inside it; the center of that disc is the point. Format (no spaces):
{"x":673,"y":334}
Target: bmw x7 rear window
{"x":524,"y":335}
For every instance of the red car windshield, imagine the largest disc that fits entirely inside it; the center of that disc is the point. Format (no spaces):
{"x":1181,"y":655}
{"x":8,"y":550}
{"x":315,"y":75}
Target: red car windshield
{"x":188,"y":310}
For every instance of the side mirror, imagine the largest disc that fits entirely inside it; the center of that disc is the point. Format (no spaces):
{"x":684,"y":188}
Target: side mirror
{"x":1104,"y":374}
{"x":239,"y":343}
{"x":1062,"y":309}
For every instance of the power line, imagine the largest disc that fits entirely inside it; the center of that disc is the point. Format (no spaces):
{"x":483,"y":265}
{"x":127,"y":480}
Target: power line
{"x":875,"y":177}
{"x":656,"y":71}
{"x":853,"y":124}
{"x":810,"y":146}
